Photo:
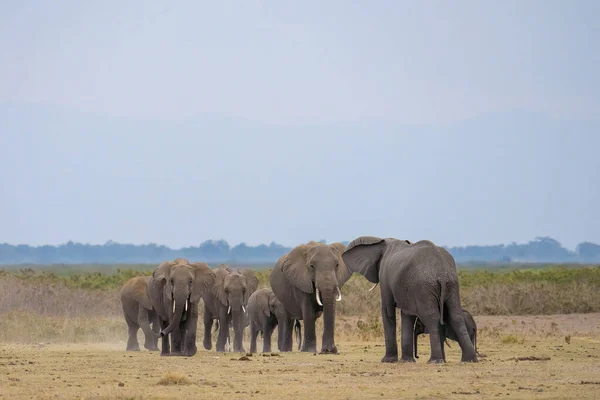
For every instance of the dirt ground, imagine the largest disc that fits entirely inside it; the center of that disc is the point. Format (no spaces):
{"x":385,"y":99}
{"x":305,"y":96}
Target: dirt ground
{"x":522,"y":357}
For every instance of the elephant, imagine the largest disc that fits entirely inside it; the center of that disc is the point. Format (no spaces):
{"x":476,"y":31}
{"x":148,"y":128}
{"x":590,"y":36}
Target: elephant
{"x":308,"y":281}
{"x":175,"y":289}
{"x":421,"y":280}
{"x":139,"y":313}
{"x":450,"y":334}
{"x":226,"y":302}
{"x":266,"y":312}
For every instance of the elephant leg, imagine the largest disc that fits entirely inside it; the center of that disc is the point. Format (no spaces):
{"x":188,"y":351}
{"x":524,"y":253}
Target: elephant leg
{"x":154,"y":320}
{"x":310,"y":336}
{"x":457,"y":322}
{"x":176,"y":341}
{"x":208,"y":323}
{"x":436,"y":338}
{"x":166,"y":347}
{"x":253,"y":337}
{"x":406,"y":338}
{"x":285,"y":330}
{"x":223,"y":337}
{"x":132,"y":329}
{"x":149,"y":337}
{"x":189,"y":341}
{"x":388,"y":315}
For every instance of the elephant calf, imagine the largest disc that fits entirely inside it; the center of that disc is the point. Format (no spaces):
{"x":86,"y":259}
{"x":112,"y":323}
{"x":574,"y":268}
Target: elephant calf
{"x":139,"y":313}
{"x":266,"y":312}
{"x":450,"y":334}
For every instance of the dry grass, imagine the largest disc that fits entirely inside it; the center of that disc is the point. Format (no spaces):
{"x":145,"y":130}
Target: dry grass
{"x":542,"y":365}
{"x":174,"y":378}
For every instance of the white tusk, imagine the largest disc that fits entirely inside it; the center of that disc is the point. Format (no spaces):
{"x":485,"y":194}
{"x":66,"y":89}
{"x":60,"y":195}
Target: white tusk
{"x":339,"y":298}
{"x":173,"y":306}
{"x":186,"y":305}
{"x":374,"y":286}
{"x":319,"y":298}
{"x":243,"y":308}
{"x":229,"y":310}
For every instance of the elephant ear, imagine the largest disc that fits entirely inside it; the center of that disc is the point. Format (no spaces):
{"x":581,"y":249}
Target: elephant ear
{"x":251,"y":283}
{"x":140,"y":292}
{"x":219,"y":286}
{"x":158,"y":281}
{"x":342,"y":273}
{"x":362,"y":256}
{"x":295,"y":269}
{"x":204,"y":279}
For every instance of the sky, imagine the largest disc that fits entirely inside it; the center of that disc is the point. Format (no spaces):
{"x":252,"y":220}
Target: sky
{"x":462,"y":122}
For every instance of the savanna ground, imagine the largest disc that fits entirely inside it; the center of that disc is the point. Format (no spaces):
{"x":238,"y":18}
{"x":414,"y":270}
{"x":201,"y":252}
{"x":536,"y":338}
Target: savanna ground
{"x":62,"y":336}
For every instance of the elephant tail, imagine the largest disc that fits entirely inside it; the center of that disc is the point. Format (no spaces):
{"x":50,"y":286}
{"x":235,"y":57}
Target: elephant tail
{"x":298,"y":333}
{"x":442,"y":300}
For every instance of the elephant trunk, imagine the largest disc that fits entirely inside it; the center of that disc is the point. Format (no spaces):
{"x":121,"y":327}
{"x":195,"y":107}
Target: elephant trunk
{"x":328,"y":299}
{"x":238,"y":320}
{"x":180,"y":305}
{"x":415,"y":340}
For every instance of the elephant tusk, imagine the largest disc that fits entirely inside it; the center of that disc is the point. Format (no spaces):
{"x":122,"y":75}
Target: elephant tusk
{"x":173,"y":306}
{"x":243,"y":308}
{"x":374,"y":286}
{"x":229,"y":310}
{"x":318,"y":298}
{"x":186,"y":305}
{"x":339,"y":298}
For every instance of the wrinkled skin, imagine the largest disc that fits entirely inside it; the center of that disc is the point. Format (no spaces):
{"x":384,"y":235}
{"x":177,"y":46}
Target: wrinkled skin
{"x":139,"y":313}
{"x":266,"y":312}
{"x":308,"y":274}
{"x":422,"y":281}
{"x":175,"y":289}
{"x":225,"y":302}
{"x":450,"y":334}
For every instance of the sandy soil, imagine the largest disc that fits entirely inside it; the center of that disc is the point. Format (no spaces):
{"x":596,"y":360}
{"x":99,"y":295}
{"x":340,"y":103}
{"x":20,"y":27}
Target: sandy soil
{"x":560,"y":358}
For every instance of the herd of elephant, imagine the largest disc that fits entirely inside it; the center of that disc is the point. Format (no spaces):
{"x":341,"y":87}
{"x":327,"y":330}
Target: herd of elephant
{"x":418,"y":278}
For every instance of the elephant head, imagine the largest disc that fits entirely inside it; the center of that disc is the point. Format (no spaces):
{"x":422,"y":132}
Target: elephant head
{"x":180,"y":284}
{"x":233,"y":289}
{"x":318,"y":268}
{"x":269,"y":304}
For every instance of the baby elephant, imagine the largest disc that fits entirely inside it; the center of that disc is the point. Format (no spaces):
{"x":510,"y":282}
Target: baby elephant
{"x":266,"y":312}
{"x":450,"y":334}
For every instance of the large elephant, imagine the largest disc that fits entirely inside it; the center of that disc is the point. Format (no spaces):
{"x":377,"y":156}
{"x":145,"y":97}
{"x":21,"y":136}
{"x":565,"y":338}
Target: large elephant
{"x":422,"y":281}
{"x":308,"y":280}
{"x":175,"y":289}
{"x":266,"y":312}
{"x":226,"y":302}
{"x":139,"y":313}
{"x":449,"y":333}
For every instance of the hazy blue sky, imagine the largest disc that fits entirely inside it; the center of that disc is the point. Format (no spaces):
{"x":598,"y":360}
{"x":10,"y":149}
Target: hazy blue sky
{"x":464,"y":122}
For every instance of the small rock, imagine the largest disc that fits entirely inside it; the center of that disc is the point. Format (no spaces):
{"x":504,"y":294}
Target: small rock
{"x":121,"y":384}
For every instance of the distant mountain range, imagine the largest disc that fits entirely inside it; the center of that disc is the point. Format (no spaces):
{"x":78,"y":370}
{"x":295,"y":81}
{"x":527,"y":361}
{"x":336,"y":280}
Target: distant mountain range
{"x":541,"y":249}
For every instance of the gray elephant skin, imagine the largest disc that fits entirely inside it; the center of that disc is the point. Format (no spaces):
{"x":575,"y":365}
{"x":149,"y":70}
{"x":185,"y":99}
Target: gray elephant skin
{"x":420,"y":328}
{"x":266,"y":313}
{"x":139,"y":313}
{"x":175,"y":289}
{"x":226,"y":302}
{"x":421,"y":280}
{"x":308,"y":281}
